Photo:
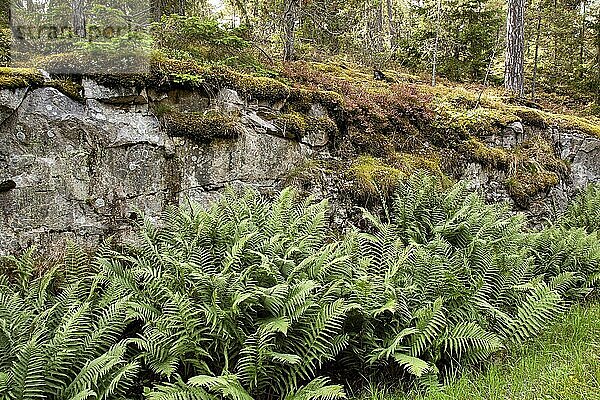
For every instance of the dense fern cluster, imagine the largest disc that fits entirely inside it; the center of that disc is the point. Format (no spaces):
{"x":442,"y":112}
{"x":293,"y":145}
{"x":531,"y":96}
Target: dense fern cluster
{"x":259,"y":299}
{"x":584,"y":212}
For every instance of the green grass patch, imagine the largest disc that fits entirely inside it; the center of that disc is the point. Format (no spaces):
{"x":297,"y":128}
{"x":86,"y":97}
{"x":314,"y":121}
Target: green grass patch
{"x":563,"y":363}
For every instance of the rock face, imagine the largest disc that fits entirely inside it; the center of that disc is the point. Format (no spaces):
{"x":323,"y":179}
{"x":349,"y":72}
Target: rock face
{"x":580,"y":152}
{"x":85,"y":170}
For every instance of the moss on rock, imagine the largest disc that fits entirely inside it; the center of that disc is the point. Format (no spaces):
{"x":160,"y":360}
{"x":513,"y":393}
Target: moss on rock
{"x":68,"y":88}
{"x":201,"y":126}
{"x":488,"y":156}
{"x":534,"y":170}
{"x":295,"y":125}
{"x":373,"y":177}
{"x":188,"y":73}
{"x":13,"y":78}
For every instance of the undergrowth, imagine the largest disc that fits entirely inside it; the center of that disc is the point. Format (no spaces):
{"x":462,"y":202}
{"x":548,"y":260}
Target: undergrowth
{"x":561,"y":364}
{"x":251,"y":298}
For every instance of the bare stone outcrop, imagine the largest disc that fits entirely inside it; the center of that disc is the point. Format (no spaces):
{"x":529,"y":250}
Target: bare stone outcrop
{"x":84,"y":170}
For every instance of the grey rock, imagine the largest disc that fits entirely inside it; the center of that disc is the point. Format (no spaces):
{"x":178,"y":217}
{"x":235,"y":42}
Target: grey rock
{"x":121,"y":95}
{"x":10,"y":100}
{"x":228,"y":100}
{"x":82,"y":169}
{"x":517,"y":127}
{"x":254,"y":120}
{"x":317,"y":110}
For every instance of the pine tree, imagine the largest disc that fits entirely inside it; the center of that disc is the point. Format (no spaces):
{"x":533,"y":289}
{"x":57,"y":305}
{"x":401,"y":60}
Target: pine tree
{"x":515,"y":47}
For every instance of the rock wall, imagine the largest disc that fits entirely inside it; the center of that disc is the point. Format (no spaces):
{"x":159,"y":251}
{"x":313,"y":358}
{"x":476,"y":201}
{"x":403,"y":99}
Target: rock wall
{"x":83,"y":170}
{"x":580,"y":152}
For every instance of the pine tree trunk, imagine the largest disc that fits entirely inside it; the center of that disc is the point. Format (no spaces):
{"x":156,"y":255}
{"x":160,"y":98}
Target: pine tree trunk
{"x":166,"y":7}
{"x":290,"y":19}
{"x":78,"y":17}
{"x":536,"y":52}
{"x":379,"y":27}
{"x":582,"y":38}
{"x":391,"y":27}
{"x":437,"y":42}
{"x":515,"y":47}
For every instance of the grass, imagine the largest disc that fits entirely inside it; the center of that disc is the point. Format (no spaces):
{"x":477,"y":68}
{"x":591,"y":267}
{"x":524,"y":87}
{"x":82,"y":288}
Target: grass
{"x":563,"y":363}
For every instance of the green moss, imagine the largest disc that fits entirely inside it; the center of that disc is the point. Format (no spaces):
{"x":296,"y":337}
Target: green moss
{"x":188,"y":73}
{"x":13,"y":78}
{"x":409,"y":163}
{"x":469,"y":120}
{"x":253,"y":87}
{"x":535,"y":169}
{"x":531,"y":116}
{"x":524,"y":185}
{"x":161,"y":109}
{"x":68,"y":88}
{"x":318,"y":125}
{"x":329,"y":99}
{"x":373,"y":177}
{"x":589,"y":126}
{"x":302,"y":99}
{"x":485,"y":155}
{"x":201,"y":126}
{"x":293,"y":125}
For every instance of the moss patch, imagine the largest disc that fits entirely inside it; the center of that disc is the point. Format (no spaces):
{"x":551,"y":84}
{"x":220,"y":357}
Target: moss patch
{"x":68,"y":88}
{"x":526,"y":184}
{"x":409,"y":163}
{"x":188,"y":73}
{"x":534,"y":170}
{"x":488,"y":156}
{"x":297,"y":126}
{"x":373,"y":177}
{"x":13,"y":78}
{"x":201,"y":126}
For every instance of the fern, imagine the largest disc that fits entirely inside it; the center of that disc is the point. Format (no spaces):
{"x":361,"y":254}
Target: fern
{"x":250,"y":298}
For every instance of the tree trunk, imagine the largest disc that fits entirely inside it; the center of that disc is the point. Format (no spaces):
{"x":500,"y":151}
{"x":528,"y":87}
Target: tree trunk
{"x":582,"y":39}
{"x":290,"y":19}
{"x":379,"y":38}
{"x":515,"y":47}
{"x":78,"y":17}
{"x":536,"y":52}
{"x":437,"y":42}
{"x":166,"y":7}
{"x":391,"y":27}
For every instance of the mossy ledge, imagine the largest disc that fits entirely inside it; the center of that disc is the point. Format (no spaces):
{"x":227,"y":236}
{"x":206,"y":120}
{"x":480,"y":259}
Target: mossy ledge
{"x":15,"y":78}
{"x":68,"y":88}
{"x":375,"y":177}
{"x":297,"y":126}
{"x":201,"y":126}
{"x":190,"y":74}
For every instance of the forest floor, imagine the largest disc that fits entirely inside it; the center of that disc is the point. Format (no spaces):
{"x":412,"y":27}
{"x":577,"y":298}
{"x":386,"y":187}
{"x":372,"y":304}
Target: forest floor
{"x":563,"y":363}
